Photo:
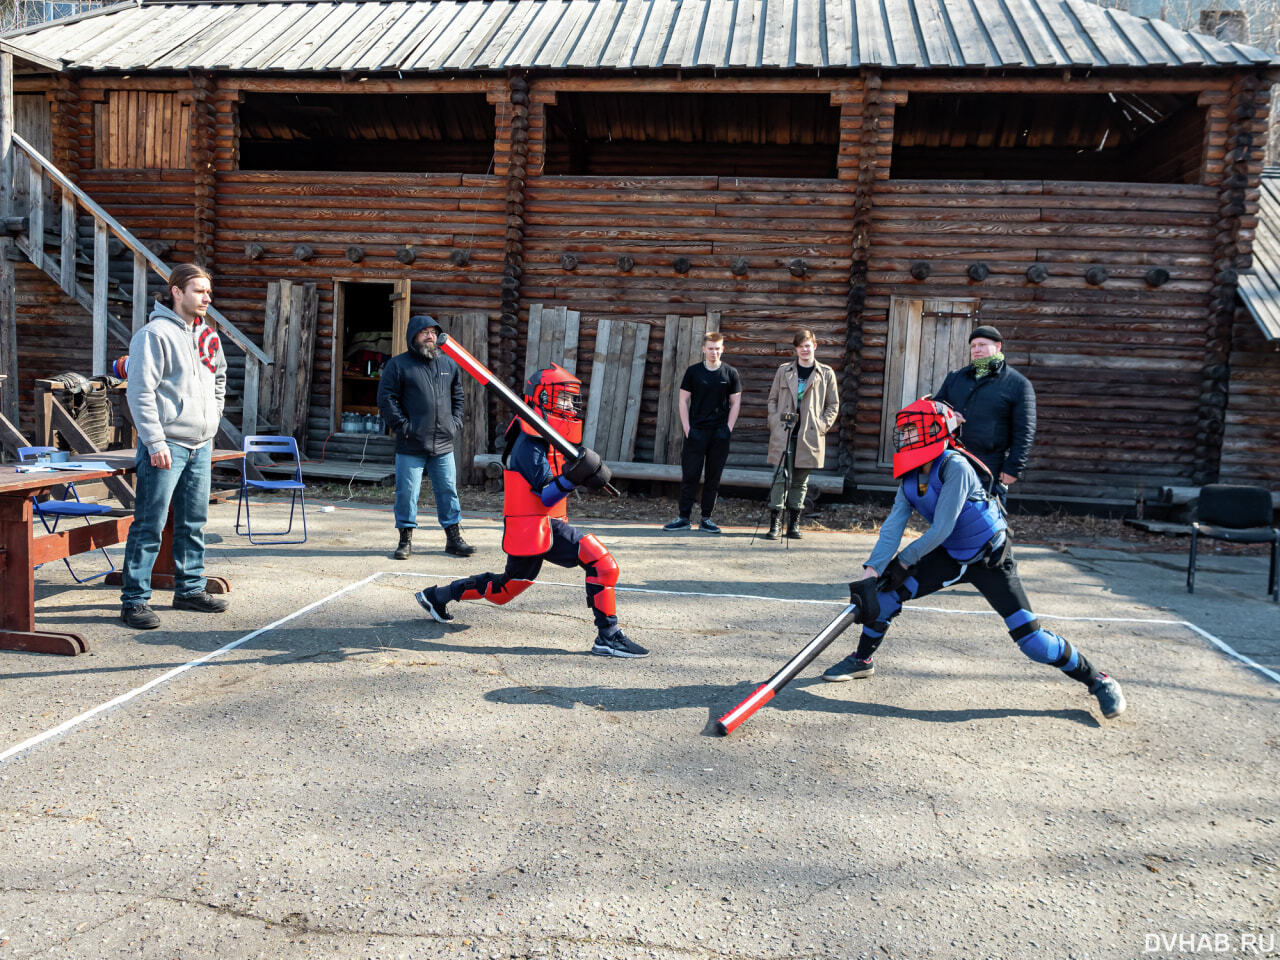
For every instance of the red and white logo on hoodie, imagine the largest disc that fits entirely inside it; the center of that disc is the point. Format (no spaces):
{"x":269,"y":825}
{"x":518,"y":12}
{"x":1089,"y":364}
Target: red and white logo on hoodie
{"x":207,"y":344}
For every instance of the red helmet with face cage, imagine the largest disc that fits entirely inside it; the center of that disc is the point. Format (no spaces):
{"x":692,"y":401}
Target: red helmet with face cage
{"x":922,"y":431}
{"x":556,"y":395}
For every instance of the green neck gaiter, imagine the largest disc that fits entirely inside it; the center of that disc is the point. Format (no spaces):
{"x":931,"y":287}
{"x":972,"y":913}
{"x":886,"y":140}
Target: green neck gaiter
{"x":983,"y":365}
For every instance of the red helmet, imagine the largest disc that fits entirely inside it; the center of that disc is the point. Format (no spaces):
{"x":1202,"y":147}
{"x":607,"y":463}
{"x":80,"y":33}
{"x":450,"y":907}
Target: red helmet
{"x":556,"y":395}
{"x":922,"y":431}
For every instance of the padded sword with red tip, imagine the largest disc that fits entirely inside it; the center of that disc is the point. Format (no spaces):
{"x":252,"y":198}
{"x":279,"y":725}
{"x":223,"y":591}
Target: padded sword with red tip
{"x":462,"y":356}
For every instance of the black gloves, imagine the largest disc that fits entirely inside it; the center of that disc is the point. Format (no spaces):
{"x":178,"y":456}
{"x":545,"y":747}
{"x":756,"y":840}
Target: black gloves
{"x":588,"y":470}
{"x":895,"y":576}
{"x":864,"y":594}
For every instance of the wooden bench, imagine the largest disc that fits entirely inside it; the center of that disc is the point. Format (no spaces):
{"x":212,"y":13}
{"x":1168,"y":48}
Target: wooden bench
{"x":827,"y":483}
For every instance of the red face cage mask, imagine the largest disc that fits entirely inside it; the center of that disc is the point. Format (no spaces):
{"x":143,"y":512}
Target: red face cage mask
{"x":556,"y":395}
{"x":922,"y":431}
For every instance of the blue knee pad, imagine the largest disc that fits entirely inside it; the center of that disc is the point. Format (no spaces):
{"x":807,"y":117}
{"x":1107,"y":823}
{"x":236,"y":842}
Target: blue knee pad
{"x":1040,"y":644}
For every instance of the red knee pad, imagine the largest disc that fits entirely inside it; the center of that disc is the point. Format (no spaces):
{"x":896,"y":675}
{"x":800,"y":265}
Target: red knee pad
{"x":602,"y":572}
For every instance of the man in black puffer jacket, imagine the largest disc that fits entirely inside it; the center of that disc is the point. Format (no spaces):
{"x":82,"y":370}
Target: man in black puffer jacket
{"x":999,"y":409}
{"x":420,"y":396}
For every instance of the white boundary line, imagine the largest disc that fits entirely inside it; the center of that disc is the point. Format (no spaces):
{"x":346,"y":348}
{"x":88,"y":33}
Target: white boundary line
{"x":124,"y":698}
{"x":164,"y":677}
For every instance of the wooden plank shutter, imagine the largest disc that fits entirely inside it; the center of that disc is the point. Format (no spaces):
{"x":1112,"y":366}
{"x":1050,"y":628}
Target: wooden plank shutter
{"x":927,"y":339}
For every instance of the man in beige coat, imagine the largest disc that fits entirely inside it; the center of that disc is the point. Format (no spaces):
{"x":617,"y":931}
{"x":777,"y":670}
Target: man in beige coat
{"x":803,"y":405}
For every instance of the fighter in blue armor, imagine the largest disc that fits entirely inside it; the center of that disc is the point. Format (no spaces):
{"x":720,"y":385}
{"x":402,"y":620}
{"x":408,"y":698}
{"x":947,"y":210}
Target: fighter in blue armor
{"x":967,"y":542}
{"x":536,"y":480}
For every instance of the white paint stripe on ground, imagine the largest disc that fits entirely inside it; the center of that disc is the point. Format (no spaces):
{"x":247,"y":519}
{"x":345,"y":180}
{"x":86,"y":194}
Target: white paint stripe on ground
{"x":164,"y":678}
{"x":1224,"y":647}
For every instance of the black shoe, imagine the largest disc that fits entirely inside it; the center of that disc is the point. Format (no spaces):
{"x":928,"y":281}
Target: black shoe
{"x":430,"y":601}
{"x":1110,"y":696}
{"x":793,"y":525}
{"x":619,"y":645}
{"x":454,"y":543}
{"x":850,"y":668}
{"x":201,"y":602}
{"x":775,"y":525}
{"x":706,"y":526}
{"x":139,"y":616}
{"x":679,"y":523}
{"x":406,"y":544}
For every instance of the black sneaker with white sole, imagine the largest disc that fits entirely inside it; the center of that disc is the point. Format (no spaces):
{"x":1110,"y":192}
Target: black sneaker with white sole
{"x":850,"y":668}
{"x":1110,"y":696}
{"x":618,"y":645}
{"x":430,"y":601}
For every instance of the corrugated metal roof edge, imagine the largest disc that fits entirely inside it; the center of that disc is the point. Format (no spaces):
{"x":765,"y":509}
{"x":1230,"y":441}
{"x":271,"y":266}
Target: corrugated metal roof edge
{"x":1250,"y":56}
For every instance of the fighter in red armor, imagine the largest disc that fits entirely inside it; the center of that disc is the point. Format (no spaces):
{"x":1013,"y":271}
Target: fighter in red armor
{"x":536,"y":481}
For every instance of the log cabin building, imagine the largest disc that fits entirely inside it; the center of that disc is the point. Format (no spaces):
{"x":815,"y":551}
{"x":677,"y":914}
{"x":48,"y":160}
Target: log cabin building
{"x":888,"y":173}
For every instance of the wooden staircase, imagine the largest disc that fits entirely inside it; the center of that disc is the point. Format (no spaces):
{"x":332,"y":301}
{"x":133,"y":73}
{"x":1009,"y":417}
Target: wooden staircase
{"x":97,"y":262}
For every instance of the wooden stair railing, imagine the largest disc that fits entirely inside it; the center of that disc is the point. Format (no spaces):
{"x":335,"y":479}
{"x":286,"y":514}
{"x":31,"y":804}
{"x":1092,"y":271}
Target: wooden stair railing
{"x":62,"y":269}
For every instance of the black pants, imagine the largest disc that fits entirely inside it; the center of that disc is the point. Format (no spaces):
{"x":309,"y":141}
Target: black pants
{"x":709,"y":446}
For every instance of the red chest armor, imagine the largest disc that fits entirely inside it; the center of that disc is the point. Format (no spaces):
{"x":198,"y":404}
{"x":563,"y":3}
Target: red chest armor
{"x":526,"y":530}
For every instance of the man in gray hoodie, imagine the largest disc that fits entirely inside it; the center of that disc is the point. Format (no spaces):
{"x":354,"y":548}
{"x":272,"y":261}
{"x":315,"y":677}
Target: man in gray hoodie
{"x":177,"y":384}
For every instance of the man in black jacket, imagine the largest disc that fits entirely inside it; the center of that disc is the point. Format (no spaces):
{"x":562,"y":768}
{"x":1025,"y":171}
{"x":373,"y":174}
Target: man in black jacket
{"x":999,"y":409}
{"x":420,"y":396}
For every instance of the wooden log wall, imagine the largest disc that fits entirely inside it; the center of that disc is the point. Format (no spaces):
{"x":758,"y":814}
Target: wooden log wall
{"x":1241,"y":167}
{"x":1103,"y":359}
{"x":53,"y":337}
{"x":578,"y":229}
{"x":1251,"y":432}
{"x":431,"y":215}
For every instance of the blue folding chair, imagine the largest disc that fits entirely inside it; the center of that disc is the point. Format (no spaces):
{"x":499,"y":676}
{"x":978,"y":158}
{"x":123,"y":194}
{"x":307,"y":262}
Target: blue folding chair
{"x":298,"y":498}
{"x":51,"y":511}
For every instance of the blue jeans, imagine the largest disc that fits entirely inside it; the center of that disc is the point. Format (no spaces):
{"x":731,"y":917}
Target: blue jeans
{"x":443,"y":476}
{"x":185,"y":487}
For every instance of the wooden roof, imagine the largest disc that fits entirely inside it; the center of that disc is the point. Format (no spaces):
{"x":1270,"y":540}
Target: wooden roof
{"x":1260,"y":286}
{"x":484,"y":35}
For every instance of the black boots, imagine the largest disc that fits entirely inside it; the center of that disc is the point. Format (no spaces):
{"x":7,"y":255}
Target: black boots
{"x":406,"y":544}
{"x":793,"y":525}
{"x":775,"y":525}
{"x":454,"y":543}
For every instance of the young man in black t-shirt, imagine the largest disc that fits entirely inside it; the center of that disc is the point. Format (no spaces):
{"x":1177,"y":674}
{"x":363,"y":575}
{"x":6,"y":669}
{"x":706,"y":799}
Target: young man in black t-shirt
{"x":710,"y":396}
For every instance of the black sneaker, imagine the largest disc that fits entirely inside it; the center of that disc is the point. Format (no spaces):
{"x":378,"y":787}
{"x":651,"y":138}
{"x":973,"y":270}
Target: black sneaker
{"x":706,"y":526}
{"x":430,"y":602}
{"x":679,"y":523}
{"x":1110,"y":696}
{"x":618,"y":646}
{"x":850,"y":668}
{"x":201,"y":602}
{"x":139,"y":616}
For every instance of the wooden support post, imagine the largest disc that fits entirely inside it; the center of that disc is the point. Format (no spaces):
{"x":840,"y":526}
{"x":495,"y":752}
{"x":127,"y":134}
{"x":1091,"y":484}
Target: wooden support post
{"x":8,"y":291}
{"x":35,"y":215}
{"x":67,"y":265}
{"x":139,"y":292}
{"x":101,"y":280}
{"x":249,"y":412}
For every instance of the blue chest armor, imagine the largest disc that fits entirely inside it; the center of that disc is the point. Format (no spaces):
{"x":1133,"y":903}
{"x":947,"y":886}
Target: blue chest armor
{"x":979,"y":521}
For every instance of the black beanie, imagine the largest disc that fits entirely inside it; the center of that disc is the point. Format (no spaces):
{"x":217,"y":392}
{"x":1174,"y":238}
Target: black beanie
{"x":990,"y":332}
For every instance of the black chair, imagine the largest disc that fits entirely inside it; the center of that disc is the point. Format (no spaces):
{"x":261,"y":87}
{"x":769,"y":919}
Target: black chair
{"x":1239,"y":514}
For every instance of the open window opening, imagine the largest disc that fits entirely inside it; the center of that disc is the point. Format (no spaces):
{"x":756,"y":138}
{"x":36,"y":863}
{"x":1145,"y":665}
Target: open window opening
{"x":1115,"y":137}
{"x":693,"y":134}
{"x":370,"y":325}
{"x":380,"y":133}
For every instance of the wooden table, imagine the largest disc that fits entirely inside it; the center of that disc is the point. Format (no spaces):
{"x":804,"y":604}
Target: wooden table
{"x":21,"y":551}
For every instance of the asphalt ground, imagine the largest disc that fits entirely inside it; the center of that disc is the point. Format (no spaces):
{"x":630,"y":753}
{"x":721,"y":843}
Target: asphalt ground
{"x":323,"y":771}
